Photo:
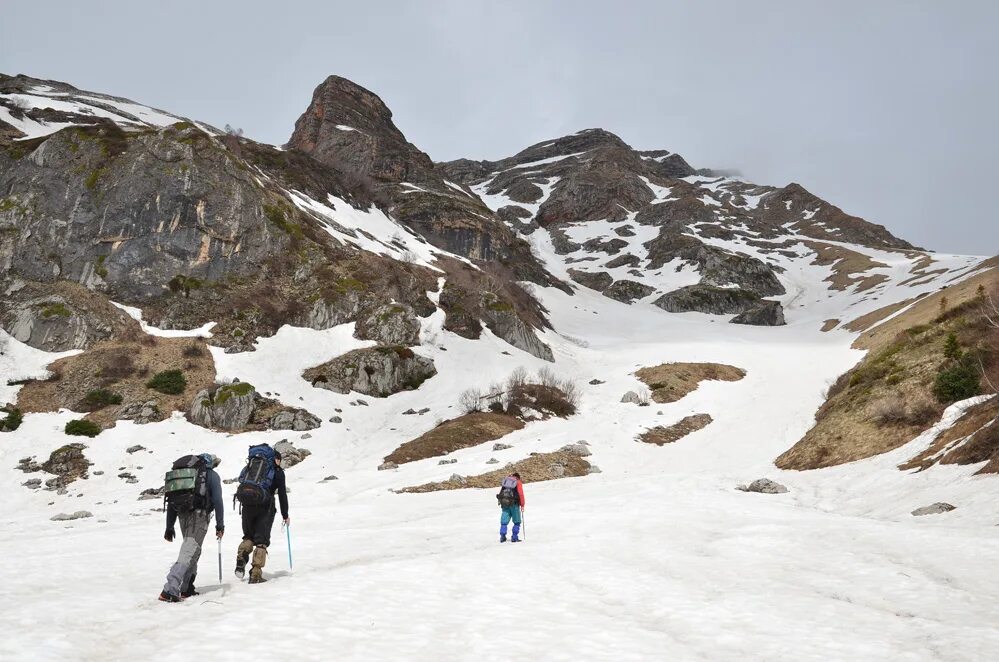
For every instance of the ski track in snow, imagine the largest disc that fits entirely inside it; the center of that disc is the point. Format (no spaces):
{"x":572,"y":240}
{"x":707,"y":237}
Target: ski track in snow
{"x":657,"y":557}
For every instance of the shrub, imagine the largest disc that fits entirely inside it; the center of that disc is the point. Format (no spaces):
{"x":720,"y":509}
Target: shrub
{"x":957,"y":382}
{"x":470,"y":400}
{"x":952,"y":350}
{"x":100,"y":398}
{"x":516,"y":379}
{"x":12,"y":421}
{"x":888,"y":411}
{"x":83,"y":428}
{"x":118,"y":365}
{"x":171,"y":382}
{"x":193,"y":350}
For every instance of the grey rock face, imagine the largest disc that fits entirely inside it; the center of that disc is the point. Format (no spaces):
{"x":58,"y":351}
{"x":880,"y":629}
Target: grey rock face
{"x":707,"y":299}
{"x":67,"y":463}
{"x":763,"y":486}
{"x":594,"y":469}
{"x":631,"y":397}
{"x":764,"y":313}
{"x":135,"y":449}
{"x":297,"y":420}
{"x":935,"y":509}
{"x":231,"y":407}
{"x":492,"y":460}
{"x":336,"y":419}
{"x":627,"y":291}
{"x":375,"y":371}
{"x":501,"y":447}
{"x":54,"y":325}
{"x":390,"y":324}
{"x":329,"y":478}
{"x":28,"y":465}
{"x":577,"y":449}
{"x":452,"y":460}
{"x":64,"y":517}
{"x":508,"y":326}
{"x":290,"y":456}
{"x":142,"y":413}
{"x":557,"y":469}
{"x":598,"y":281}
{"x":33,"y":483}
{"x":386,"y":466}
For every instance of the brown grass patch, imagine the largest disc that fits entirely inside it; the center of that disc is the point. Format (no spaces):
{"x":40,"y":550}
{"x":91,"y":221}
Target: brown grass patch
{"x":847,"y":265}
{"x":865,"y":322}
{"x":829,"y":325}
{"x":660,"y":435}
{"x":122,"y":367}
{"x":534,"y":469}
{"x":671,"y":381}
{"x":462,"y":432}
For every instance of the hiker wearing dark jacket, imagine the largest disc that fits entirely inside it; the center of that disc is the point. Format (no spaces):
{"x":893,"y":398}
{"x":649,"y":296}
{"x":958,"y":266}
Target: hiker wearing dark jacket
{"x":257,"y":523}
{"x":193,"y":528}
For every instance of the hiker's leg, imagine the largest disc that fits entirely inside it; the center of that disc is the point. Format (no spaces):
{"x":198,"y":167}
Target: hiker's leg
{"x":259,"y":559}
{"x":198,"y":531}
{"x":179,"y":571}
{"x":504,"y":520}
{"x":262,"y":527}
{"x":515,"y":513}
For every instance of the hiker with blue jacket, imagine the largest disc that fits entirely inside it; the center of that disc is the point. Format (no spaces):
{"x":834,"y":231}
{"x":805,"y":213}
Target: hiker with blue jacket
{"x":193,"y":491}
{"x":259,"y":482}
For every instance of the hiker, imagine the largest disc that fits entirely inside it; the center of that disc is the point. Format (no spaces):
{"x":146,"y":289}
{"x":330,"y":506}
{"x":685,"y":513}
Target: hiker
{"x":259,"y":481}
{"x":193,"y":490}
{"x":511,"y":500}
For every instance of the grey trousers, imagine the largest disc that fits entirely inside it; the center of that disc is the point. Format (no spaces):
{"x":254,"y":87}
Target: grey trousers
{"x":193,"y":527}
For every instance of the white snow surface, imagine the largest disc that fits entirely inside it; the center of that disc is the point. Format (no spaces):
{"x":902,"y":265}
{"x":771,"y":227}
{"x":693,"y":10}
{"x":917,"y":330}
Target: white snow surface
{"x":204,"y":331}
{"x":657,"y":557}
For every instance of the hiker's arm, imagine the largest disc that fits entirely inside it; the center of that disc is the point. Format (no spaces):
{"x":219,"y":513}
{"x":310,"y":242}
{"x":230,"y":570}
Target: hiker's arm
{"x":171,"y":519}
{"x":520,"y":493}
{"x":215,"y":486}
{"x":282,"y":492}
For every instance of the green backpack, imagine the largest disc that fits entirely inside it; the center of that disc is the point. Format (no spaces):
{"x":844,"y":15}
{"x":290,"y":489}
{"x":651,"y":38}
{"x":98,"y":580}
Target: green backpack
{"x":186,"y":485}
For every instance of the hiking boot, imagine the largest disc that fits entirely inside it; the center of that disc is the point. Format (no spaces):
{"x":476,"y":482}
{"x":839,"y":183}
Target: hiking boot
{"x":502,"y":538}
{"x":189,"y":592}
{"x":256,"y":580}
{"x":167,"y":597}
{"x":514,"y":539}
{"x":242,"y":556}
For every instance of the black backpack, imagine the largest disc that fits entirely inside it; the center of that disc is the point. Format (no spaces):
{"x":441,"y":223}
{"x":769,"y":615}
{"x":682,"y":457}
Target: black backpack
{"x":508,"y":495}
{"x":186,"y":485}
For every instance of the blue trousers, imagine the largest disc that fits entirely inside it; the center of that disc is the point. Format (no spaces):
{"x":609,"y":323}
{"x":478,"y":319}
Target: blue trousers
{"x":510,"y":512}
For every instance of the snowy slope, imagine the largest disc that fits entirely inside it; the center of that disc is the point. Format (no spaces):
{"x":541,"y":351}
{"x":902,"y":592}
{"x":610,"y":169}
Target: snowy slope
{"x":655,"y":557}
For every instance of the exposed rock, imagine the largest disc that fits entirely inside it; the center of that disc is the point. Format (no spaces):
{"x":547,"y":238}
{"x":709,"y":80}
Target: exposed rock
{"x":329,"y":478}
{"x":764,"y":313}
{"x":375,"y":371}
{"x":506,"y":324}
{"x":459,"y":479}
{"x":33,"y":484}
{"x":297,"y":420}
{"x":627,"y":291}
{"x":306,"y":436}
{"x":763,"y":486}
{"x":409,"y":412}
{"x":501,"y":447}
{"x":578,"y":449}
{"x":595,"y":382}
{"x":707,"y":299}
{"x":363,"y":403}
{"x":492,"y":460}
{"x":128,"y":477}
{"x":336,"y":419}
{"x":28,"y":465}
{"x":64,"y":517}
{"x":230,"y":407}
{"x":151,"y":493}
{"x":141,"y":412}
{"x":448,"y":460}
{"x":631,"y":397}
{"x":68,"y":463}
{"x":557,"y":469}
{"x":390,"y":324}
{"x":61,"y":320}
{"x":935,"y":509}
{"x":384,"y":466}
{"x":598,"y":281}
{"x":290,"y":456}
{"x":423,"y":411}
{"x":135,"y":449}
{"x":594,"y":469}
{"x":626,"y":260}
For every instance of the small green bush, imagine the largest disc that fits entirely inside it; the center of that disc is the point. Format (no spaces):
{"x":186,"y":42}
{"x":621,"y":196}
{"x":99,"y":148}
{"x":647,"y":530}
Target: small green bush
{"x":957,"y":382}
{"x":12,"y":421}
{"x":171,"y":382}
{"x":952,"y":349}
{"x":83,"y":428}
{"x":56,"y":309}
{"x":100,"y":398}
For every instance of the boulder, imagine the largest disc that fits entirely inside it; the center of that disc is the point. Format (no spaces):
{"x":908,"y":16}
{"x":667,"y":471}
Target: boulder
{"x":135,"y":449}
{"x":329,"y":478}
{"x":577,"y":449}
{"x":141,"y":412}
{"x":33,"y":484}
{"x":763,"y":486}
{"x":492,"y":460}
{"x":390,"y":324}
{"x":708,"y":299}
{"x":627,"y":291}
{"x":65,"y":517}
{"x":336,"y":419}
{"x":935,"y":509}
{"x":448,"y":461}
{"x":298,"y":420}
{"x":28,"y":465}
{"x":501,"y":447}
{"x":385,"y":466}
{"x":67,"y":463}
{"x":290,"y":456}
{"x":598,"y":281}
{"x":764,"y":313}
{"x":230,"y":407}
{"x":631,"y":397}
{"x":375,"y":371}
{"x":594,"y":469}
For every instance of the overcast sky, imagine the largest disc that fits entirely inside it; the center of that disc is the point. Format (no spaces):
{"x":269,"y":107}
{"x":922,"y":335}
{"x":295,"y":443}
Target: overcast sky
{"x":887,"y":109}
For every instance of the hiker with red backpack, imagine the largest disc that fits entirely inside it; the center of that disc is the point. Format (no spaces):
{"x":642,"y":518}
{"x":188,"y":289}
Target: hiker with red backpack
{"x":511,"y":500}
{"x":259,"y":481}
{"x":192,"y":492}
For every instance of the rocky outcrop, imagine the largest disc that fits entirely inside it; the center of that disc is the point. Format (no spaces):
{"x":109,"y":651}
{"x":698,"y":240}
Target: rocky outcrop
{"x":298,"y":420}
{"x":935,"y":509}
{"x":375,"y":371}
{"x":66,"y":517}
{"x":68,"y":463}
{"x":504,"y":322}
{"x":141,"y":412}
{"x":230,"y":407}
{"x":390,"y":324}
{"x":763,"y":313}
{"x":707,"y":299}
{"x":290,"y":455}
{"x":763,"y":486}
{"x":599,"y":280}
{"x":627,"y":291}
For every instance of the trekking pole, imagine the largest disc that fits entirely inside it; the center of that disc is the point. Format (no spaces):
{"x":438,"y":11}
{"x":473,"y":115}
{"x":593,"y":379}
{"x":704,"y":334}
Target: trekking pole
{"x":220,"y":561}
{"x":287,"y":530}
{"x":523,"y":520}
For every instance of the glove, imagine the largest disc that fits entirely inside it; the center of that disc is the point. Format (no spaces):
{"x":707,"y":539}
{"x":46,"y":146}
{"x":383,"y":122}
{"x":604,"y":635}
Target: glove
{"x":219,"y":532}
{"x":169,"y":535}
